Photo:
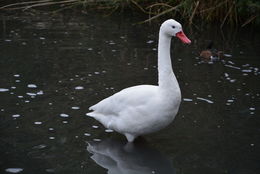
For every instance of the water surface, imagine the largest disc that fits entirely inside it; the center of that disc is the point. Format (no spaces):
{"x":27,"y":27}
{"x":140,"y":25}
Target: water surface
{"x":53,"y":67}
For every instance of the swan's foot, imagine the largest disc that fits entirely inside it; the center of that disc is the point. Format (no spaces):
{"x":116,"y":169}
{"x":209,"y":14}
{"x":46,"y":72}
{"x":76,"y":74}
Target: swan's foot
{"x":129,"y":137}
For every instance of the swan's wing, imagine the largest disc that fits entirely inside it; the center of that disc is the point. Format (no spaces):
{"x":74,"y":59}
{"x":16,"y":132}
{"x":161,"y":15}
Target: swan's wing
{"x":129,"y":97}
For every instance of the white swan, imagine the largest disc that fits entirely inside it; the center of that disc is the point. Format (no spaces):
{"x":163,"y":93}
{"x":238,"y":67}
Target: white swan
{"x":143,"y":109}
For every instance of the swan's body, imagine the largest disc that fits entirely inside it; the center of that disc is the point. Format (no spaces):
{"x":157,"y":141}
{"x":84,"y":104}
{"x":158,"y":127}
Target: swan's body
{"x":144,"y":109}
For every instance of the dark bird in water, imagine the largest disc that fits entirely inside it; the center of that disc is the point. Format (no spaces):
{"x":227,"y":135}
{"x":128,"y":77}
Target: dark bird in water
{"x":210,"y":54}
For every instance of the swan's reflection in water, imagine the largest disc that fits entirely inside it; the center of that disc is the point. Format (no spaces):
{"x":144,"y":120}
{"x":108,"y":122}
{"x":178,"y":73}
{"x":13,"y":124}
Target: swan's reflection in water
{"x":127,"y":158}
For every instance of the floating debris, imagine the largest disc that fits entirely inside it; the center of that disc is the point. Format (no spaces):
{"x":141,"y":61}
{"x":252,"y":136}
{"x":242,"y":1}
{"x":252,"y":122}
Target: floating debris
{"x":31,"y":94}
{"x":37,"y":122}
{"x":32,"y":86}
{"x":109,"y":130}
{"x":150,"y":41}
{"x":75,"y":107}
{"x":16,"y":115}
{"x":14,"y":170}
{"x":64,"y":115}
{"x":206,"y":100}
{"x":41,"y":146}
{"x":3,"y":90}
{"x":79,"y":87}
{"x":231,"y":66}
{"x":40,"y":92}
{"x":17,"y":75}
{"x":187,"y":99}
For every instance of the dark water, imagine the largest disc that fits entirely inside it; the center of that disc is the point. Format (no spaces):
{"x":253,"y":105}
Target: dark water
{"x":53,"y":67}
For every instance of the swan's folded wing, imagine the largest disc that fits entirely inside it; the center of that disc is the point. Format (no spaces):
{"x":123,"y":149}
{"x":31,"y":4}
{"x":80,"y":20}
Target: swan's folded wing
{"x":129,"y":97}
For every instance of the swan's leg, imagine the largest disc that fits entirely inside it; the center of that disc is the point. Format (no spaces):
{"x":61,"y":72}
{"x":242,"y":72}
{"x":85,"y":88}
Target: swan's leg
{"x":129,"y":137}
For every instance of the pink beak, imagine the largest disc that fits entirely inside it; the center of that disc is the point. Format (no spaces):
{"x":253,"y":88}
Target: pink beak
{"x":183,"y":37}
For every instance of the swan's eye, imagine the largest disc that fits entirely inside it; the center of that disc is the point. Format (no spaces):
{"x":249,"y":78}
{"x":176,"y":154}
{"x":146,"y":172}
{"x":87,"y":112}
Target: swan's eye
{"x":173,"y":27}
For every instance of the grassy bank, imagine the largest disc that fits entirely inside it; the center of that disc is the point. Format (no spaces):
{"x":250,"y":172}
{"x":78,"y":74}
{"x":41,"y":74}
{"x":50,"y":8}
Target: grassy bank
{"x":240,"y":12}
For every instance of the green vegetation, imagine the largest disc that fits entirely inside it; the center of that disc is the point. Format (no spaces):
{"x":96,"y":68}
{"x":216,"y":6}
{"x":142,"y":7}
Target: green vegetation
{"x":224,"y":11}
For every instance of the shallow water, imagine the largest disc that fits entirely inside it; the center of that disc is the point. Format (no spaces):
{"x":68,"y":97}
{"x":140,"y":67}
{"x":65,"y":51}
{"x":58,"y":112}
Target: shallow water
{"x":53,"y":67}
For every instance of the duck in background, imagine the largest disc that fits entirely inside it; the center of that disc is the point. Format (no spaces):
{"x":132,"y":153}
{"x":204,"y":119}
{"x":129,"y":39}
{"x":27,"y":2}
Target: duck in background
{"x":211,"y":54}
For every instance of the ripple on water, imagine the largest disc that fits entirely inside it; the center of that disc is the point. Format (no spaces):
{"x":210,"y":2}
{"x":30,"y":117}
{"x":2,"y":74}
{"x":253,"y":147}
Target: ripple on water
{"x":14,"y":170}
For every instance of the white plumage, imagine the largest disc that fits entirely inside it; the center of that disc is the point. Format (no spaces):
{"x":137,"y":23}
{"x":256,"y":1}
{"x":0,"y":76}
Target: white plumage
{"x":143,"y":109}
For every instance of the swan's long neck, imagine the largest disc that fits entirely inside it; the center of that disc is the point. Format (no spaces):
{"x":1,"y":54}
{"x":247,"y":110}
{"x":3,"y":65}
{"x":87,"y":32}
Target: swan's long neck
{"x":167,"y":79}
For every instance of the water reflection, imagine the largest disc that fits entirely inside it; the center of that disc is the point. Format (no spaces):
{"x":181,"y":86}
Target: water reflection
{"x":129,"y":158}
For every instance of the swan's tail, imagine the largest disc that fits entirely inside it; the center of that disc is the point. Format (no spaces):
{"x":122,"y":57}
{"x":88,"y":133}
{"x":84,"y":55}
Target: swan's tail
{"x":103,"y":119}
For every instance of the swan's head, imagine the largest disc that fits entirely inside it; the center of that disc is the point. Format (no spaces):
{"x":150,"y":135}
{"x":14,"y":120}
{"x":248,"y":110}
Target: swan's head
{"x":173,"y":28}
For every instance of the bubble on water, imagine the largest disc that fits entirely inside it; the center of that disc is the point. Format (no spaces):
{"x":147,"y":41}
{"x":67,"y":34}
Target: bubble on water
{"x":13,"y":87}
{"x":90,"y":49}
{"x":20,"y":96}
{"x":8,"y":40}
{"x":64,"y":115}
{"x":51,"y":138}
{"x":95,"y":127}
{"x":79,"y":87}
{"x":51,"y":128}
{"x":42,"y":38}
{"x":64,"y":122}
{"x":150,"y":41}
{"x":96,"y":139}
{"x":17,"y":81}
{"x":230,"y":101}
{"x":27,"y":101}
{"x":4,"y":89}
{"x":14,"y":170}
